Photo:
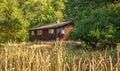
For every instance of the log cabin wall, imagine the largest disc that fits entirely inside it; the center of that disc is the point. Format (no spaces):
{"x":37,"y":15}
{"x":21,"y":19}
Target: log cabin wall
{"x":33,"y":35}
{"x":46,"y":36}
{"x":67,"y":28}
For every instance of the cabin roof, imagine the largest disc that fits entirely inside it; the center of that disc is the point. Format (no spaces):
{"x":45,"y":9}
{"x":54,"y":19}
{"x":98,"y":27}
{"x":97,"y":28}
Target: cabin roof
{"x":54,"y":25}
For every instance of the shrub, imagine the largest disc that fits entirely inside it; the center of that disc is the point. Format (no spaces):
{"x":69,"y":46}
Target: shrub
{"x":99,"y":28}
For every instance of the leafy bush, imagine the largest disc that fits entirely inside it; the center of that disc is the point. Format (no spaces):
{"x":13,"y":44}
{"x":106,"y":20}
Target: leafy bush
{"x":113,"y":52}
{"x":100,"y":27}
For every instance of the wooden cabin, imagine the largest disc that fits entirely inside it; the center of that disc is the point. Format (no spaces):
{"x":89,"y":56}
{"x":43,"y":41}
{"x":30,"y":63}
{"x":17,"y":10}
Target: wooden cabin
{"x":51,"y":32}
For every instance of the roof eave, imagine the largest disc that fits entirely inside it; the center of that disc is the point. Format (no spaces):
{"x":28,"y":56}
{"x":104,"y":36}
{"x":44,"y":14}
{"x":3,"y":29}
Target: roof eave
{"x":57,"y":26}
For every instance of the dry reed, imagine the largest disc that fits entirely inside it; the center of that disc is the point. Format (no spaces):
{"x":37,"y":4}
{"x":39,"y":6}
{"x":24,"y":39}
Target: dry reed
{"x":19,"y":57}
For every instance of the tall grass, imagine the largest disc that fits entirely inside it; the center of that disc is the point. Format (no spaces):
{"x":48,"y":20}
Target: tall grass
{"x":26,"y":57}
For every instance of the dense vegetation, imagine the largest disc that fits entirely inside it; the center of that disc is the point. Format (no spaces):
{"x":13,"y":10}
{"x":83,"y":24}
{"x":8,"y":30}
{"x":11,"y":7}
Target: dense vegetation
{"x":97,"y":24}
{"x":96,"y":21}
{"x":17,"y":16}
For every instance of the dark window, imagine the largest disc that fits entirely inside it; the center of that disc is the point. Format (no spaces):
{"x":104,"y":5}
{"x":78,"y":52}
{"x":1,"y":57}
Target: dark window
{"x":51,"y":31}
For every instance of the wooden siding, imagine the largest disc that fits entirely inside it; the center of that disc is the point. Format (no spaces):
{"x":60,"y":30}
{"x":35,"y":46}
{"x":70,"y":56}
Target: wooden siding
{"x":68,"y":28}
{"x":45,"y":36}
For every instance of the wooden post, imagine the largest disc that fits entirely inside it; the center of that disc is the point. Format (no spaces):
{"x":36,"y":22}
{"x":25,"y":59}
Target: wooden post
{"x":57,"y":37}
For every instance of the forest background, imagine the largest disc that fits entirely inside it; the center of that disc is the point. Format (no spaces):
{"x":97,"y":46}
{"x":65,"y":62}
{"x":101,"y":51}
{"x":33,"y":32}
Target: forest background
{"x":97,"y":22}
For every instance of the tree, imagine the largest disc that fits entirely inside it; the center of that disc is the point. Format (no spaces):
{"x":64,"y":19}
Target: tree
{"x":10,"y":22}
{"x":17,"y":16}
{"x":77,"y":9}
{"x":100,"y":28}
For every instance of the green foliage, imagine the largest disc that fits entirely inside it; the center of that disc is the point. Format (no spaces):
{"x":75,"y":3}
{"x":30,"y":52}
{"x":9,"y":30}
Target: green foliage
{"x":112,"y":52}
{"x":96,"y":29}
{"x":98,"y":26}
{"x":11,"y":18}
{"x":97,"y":21}
{"x":17,"y":16}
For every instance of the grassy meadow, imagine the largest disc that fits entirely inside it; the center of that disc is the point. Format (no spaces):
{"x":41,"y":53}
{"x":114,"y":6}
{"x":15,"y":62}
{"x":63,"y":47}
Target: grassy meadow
{"x":56,"y":56}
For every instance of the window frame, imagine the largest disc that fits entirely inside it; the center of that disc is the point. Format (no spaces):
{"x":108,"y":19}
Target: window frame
{"x":63,"y":31}
{"x":32,"y":33}
{"x":51,"y":31}
{"x":39,"y":32}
